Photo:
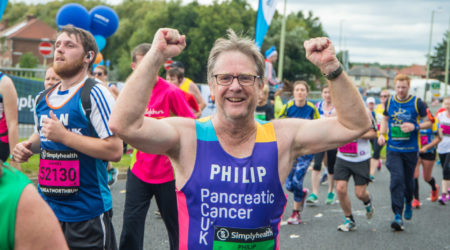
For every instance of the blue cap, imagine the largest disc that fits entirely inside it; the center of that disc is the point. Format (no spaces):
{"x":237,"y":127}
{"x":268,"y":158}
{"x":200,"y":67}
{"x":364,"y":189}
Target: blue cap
{"x":271,"y":51}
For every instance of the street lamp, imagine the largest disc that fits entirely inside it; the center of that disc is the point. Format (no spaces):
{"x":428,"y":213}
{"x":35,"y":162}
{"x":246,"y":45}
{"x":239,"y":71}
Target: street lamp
{"x":429,"y":54}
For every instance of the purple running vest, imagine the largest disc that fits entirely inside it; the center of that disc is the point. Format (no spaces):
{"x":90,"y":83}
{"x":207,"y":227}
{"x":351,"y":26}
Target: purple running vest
{"x":228,"y":202}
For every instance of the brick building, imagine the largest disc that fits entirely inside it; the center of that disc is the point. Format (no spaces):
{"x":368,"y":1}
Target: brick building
{"x":24,"y":37}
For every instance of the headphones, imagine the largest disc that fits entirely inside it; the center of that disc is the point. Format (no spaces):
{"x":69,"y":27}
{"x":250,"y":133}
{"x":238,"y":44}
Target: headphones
{"x":89,"y":55}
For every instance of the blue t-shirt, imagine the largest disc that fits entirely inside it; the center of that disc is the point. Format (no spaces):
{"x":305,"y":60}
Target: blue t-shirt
{"x":409,"y":110}
{"x":308,"y":111}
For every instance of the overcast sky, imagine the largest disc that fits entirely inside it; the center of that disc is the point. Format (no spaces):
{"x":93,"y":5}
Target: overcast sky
{"x":384,"y":31}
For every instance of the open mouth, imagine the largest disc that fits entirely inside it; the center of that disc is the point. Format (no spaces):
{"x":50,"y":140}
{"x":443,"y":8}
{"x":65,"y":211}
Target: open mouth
{"x":235,"y":99}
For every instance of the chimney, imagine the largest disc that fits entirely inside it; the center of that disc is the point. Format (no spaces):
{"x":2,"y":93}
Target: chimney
{"x":30,"y":17}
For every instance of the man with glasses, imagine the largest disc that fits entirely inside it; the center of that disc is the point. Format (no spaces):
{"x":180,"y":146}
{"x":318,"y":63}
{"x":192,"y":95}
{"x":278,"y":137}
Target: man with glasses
{"x":400,"y":121}
{"x":230,"y":167}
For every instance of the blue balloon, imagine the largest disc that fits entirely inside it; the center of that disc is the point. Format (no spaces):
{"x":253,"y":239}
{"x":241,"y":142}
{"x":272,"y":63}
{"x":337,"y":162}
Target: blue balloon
{"x":101,"y":42}
{"x":104,"y":21}
{"x":75,"y":14}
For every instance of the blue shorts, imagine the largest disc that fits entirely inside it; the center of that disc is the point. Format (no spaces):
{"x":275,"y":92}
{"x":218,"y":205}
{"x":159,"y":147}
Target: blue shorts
{"x":294,"y":182}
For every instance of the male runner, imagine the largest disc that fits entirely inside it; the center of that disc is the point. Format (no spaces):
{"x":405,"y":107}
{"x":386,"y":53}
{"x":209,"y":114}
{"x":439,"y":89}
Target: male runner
{"x":151,"y":174}
{"x":376,"y":162}
{"x":230,"y":168}
{"x":353,"y":159}
{"x":74,"y":147}
{"x":401,"y":116}
{"x":300,"y":107}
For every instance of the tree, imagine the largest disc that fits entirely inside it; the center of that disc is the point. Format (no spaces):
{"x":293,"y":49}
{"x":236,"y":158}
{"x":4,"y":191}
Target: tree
{"x":437,"y":65}
{"x":28,"y":60}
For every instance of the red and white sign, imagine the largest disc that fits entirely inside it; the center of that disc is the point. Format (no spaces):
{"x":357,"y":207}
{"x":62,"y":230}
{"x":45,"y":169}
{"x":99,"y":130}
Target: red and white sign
{"x":45,"y":48}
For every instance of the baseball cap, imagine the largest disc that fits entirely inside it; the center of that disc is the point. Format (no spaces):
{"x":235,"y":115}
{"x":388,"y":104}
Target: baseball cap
{"x":370,"y":100}
{"x":177,"y":64}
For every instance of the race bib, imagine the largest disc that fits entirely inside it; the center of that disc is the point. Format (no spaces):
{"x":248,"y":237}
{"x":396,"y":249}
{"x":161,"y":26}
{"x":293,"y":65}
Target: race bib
{"x":398,"y":134}
{"x":238,"y":238}
{"x":424,"y":140}
{"x":260,"y":115}
{"x":445,"y":129}
{"x":349,"y":149}
{"x":59,"y":173}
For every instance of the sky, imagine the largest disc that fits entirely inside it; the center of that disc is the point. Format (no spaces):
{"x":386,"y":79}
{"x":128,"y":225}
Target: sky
{"x":383,"y":31}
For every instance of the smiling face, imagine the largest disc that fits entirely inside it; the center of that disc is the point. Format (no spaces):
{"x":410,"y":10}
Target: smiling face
{"x":235,"y":101}
{"x":70,"y":57}
{"x":100,"y":74}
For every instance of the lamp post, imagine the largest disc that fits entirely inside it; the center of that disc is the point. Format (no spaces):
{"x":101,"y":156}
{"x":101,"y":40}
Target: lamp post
{"x":429,"y":55}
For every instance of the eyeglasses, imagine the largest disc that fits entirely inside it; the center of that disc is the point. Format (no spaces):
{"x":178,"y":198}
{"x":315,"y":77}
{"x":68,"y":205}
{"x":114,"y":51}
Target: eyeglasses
{"x":227,"y":79}
{"x":98,"y":73}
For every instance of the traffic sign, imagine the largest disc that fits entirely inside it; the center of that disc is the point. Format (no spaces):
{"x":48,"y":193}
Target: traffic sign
{"x":45,"y":48}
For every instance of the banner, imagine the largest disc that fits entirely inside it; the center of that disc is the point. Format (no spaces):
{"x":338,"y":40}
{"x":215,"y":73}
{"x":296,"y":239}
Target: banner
{"x":27,"y":91}
{"x":3,"y":4}
{"x":266,"y":10}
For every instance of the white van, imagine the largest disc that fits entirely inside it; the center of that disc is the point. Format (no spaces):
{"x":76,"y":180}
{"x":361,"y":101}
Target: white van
{"x":435,"y":88}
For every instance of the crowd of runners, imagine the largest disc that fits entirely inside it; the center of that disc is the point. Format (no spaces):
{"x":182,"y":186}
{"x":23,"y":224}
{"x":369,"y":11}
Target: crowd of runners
{"x":216,"y":163}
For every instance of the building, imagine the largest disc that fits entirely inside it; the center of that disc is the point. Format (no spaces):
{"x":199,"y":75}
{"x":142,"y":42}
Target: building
{"x":415,"y":71}
{"x":368,"y":77}
{"x":24,"y":37}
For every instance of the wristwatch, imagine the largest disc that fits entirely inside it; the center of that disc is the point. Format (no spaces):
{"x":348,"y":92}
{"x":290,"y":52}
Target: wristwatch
{"x":333,"y":75}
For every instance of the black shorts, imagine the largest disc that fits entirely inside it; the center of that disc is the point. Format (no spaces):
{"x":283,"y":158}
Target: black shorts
{"x":4,"y":151}
{"x":96,"y":233}
{"x":360,"y":171}
{"x":428,"y":156}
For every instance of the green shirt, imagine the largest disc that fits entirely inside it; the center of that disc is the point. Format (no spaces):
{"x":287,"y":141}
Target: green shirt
{"x":12,"y":183}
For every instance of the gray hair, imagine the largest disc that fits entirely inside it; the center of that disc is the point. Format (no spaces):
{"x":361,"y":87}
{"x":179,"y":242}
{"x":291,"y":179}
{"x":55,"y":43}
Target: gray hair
{"x":242,"y":44}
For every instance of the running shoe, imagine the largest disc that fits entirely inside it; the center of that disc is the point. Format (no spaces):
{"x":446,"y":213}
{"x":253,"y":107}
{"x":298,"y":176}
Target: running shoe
{"x":443,"y":200}
{"x":416,"y":203}
{"x":324,"y":179}
{"x":330,"y":198}
{"x":312,"y":199}
{"x":435,"y":193}
{"x":294,"y":219}
{"x":397,"y":223}
{"x":369,"y":211}
{"x":379,"y":164}
{"x":408,"y":211}
{"x":348,"y":226}
{"x":372,"y":178}
{"x":112,"y":176}
{"x":158,"y":213}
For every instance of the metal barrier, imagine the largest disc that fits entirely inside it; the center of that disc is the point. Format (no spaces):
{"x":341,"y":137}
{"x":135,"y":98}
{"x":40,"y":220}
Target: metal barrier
{"x":25,"y":73}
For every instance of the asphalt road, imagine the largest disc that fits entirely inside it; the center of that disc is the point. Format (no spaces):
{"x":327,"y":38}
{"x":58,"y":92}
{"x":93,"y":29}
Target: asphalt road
{"x":428,"y":229}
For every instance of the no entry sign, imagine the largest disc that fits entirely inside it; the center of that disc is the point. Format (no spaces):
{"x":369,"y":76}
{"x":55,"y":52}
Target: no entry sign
{"x":45,"y":48}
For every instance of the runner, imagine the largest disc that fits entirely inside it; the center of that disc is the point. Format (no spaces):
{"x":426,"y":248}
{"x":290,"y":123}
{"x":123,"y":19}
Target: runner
{"x":230,"y":168}
{"x":370,"y":102}
{"x":326,"y":109}
{"x":444,"y":150}
{"x":21,"y":220}
{"x":376,"y":162}
{"x":401,"y":116}
{"x":264,"y":111}
{"x":9,"y":129}
{"x":427,"y":157}
{"x":51,"y":78}
{"x":299,"y":108}
{"x":175,"y":76}
{"x":74,"y":145}
{"x":150,"y":174}
{"x":353,"y":159}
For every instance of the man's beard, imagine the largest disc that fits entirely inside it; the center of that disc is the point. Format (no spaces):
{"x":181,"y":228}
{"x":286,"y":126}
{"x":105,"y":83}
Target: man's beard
{"x":68,"y":70}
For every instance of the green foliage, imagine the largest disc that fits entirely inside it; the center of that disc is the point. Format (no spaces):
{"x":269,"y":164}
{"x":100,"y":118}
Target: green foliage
{"x":28,"y":60}
{"x":437,"y":65}
{"x":202,"y":25}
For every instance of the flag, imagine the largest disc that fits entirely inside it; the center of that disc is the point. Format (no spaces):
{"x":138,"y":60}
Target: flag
{"x":3,"y":4}
{"x":266,"y":10}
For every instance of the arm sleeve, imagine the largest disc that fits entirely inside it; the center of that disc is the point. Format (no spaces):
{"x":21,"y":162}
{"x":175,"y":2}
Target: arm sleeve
{"x":421,"y":108}
{"x":102,"y":103}
{"x":179,"y":105}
